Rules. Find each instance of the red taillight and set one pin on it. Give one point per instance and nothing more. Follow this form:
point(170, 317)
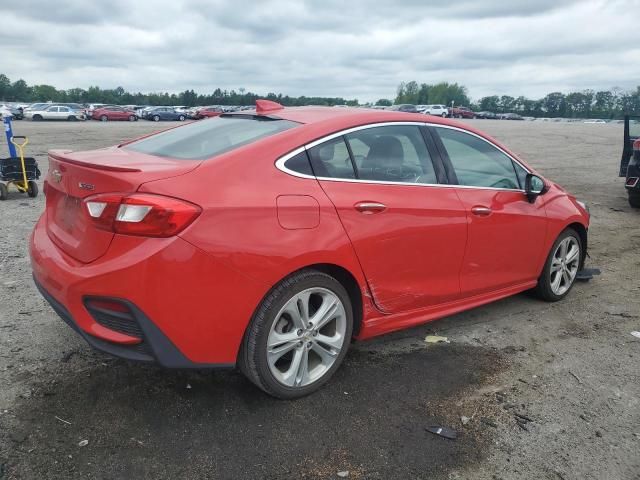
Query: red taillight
point(140, 214)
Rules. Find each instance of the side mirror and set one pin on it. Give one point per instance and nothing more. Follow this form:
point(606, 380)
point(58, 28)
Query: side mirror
point(533, 186)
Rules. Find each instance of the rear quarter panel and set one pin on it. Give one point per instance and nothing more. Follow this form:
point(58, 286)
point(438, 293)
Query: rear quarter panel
point(240, 226)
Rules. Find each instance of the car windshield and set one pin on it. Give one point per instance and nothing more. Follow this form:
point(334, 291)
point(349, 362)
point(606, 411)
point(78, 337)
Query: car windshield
point(205, 139)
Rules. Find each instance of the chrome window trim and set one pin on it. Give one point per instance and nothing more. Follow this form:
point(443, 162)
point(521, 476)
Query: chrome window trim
point(280, 163)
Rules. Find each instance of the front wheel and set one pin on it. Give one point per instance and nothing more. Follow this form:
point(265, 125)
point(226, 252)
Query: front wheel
point(156, 118)
point(132, 118)
point(4, 192)
point(104, 118)
point(299, 335)
point(634, 200)
point(181, 118)
point(560, 269)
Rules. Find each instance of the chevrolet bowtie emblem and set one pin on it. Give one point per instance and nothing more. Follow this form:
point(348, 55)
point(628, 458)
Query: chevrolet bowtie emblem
point(56, 175)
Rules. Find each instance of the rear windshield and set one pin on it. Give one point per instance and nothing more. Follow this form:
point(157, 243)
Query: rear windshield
point(207, 138)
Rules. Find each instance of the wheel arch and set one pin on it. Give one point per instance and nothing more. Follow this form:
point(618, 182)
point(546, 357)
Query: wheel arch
point(582, 232)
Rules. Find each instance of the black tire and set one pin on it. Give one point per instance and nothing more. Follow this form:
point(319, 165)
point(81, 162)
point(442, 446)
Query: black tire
point(634, 200)
point(36, 118)
point(444, 115)
point(156, 118)
point(253, 355)
point(4, 192)
point(543, 290)
point(181, 118)
point(132, 118)
point(71, 118)
point(32, 189)
point(104, 118)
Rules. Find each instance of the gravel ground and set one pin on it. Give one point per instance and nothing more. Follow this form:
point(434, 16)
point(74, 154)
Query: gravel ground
point(571, 368)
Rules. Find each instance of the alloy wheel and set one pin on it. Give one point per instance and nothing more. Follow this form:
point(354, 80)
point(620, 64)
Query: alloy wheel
point(564, 265)
point(306, 337)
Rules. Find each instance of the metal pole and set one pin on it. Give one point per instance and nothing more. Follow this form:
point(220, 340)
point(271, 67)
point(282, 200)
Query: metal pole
point(6, 120)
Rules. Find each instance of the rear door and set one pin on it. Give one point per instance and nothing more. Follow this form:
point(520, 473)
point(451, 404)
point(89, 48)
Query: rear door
point(51, 113)
point(631, 134)
point(506, 232)
point(408, 232)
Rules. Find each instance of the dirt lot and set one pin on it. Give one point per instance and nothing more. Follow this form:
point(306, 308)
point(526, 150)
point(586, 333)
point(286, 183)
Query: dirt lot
point(570, 367)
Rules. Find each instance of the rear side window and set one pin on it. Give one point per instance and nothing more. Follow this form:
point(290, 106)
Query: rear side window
point(208, 138)
point(331, 159)
point(395, 153)
point(299, 163)
point(476, 162)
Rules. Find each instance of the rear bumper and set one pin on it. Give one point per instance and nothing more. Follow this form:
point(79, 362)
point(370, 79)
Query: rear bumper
point(155, 346)
point(192, 310)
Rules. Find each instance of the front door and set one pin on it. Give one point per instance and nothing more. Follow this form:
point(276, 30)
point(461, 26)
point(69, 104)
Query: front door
point(409, 233)
point(506, 232)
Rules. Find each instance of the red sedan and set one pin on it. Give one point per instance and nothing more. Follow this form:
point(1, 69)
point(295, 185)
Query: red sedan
point(208, 112)
point(114, 112)
point(268, 240)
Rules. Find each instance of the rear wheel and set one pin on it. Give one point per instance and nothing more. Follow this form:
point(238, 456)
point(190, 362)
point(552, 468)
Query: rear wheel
point(4, 192)
point(104, 118)
point(156, 118)
point(299, 335)
point(634, 200)
point(562, 265)
point(32, 189)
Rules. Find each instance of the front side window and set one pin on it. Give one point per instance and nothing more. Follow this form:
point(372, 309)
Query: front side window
point(202, 140)
point(331, 159)
point(476, 162)
point(392, 154)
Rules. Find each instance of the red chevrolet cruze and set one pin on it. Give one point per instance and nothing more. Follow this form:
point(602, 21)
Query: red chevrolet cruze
point(269, 239)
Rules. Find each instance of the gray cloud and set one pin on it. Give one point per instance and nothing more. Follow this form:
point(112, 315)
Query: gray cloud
point(353, 49)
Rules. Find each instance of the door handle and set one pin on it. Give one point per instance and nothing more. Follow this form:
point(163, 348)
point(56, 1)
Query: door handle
point(370, 207)
point(481, 211)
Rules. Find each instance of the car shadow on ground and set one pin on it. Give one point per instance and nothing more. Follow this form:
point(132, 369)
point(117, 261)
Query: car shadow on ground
point(145, 422)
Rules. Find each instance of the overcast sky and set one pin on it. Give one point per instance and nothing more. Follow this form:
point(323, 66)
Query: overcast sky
point(349, 48)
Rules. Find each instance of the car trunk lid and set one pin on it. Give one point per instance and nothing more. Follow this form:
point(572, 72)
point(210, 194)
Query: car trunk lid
point(72, 177)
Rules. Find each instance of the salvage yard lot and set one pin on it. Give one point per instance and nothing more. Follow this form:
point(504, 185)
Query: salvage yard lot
point(570, 367)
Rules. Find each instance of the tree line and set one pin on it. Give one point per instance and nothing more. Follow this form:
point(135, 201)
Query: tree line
point(585, 104)
point(20, 91)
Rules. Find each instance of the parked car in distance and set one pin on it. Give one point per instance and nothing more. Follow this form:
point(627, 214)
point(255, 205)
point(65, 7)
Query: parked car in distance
point(438, 110)
point(404, 107)
point(168, 254)
point(461, 112)
point(164, 113)
point(55, 112)
point(510, 116)
point(207, 112)
point(595, 120)
point(114, 112)
point(93, 106)
point(486, 115)
point(16, 112)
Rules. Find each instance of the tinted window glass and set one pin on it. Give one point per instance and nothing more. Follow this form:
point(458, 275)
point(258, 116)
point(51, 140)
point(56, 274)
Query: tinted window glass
point(476, 162)
point(392, 154)
point(201, 140)
point(299, 163)
point(331, 159)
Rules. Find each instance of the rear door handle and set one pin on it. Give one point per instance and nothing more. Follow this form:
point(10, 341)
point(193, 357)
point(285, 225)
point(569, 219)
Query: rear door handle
point(370, 207)
point(481, 211)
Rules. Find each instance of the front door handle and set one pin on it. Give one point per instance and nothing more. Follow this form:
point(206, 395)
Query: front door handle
point(481, 211)
point(370, 207)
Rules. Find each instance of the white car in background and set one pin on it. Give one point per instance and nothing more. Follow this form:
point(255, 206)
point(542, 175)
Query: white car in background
point(437, 110)
point(54, 112)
